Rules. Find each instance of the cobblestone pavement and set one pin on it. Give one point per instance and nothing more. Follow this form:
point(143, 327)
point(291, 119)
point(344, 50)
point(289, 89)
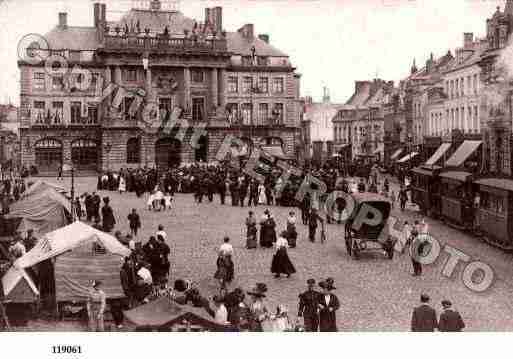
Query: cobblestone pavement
point(376, 294)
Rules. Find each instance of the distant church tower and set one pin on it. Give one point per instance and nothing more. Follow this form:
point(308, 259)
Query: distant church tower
point(326, 95)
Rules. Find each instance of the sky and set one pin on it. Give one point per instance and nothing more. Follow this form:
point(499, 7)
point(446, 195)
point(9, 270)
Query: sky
point(332, 43)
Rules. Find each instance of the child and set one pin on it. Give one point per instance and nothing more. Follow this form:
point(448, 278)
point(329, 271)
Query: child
point(151, 198)
point(167, 201)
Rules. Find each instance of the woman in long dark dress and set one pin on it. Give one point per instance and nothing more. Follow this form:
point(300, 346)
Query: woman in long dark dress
point(267, 230)
point(225, 268)
point(281, 263)
point(251, 233)
point(107, 216)
point(291, 230)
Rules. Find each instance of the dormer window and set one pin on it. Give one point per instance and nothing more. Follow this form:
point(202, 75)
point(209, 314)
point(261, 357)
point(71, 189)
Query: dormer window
point(263, 61)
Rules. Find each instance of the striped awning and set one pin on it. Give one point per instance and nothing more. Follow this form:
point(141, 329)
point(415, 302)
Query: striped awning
point(462, 153)
point(396, 154)
point(408, 157)
point(444, 147)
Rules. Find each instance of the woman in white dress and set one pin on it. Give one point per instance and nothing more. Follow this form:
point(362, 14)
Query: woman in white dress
point(167, 200)
point(261, 194)
point(122, 185)
point(149, 203)
point(159, 196)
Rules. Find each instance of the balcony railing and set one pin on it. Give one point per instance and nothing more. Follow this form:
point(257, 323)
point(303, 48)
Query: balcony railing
point(141, 43)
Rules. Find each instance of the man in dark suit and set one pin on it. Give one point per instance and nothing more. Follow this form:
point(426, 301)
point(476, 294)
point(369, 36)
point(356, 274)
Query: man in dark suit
point(450, 319)
point(424, 316)
point(328, 305)
point(309, 307)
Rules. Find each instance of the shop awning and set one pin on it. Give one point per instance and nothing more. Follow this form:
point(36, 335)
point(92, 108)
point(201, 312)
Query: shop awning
point(408, 157)
point(499, 183)
point(396, 154)
point(462, 153)
point(423, 171)
point(444, 147)
point(275, 151)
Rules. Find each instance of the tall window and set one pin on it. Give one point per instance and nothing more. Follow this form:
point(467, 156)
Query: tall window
point(94, 81)
point(469, 119)
point(164, 107)
point(39, 111)
point(133, 151)
point(263, 85)
point(452, 119)
point(197, 76)
point(462, 118)
point(476, 120)
point(247, 84)
point(39, 80)
point(57, 83)
point(75, 109)
point(233, 84)
point(263, 113)
point(475, 84)
point(58, 111)
point(452, 89)
point(198, 109)
point(233, 112)
point(262, 61)
point(246, 110)
point(462, 86)
point(457, 85)
point(92, 114)
point(247, 61)
point(278, 85)
point(127, 103)
point(278, 113)
point(130, 75)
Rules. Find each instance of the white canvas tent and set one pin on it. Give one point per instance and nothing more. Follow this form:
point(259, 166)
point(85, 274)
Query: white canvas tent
point(41, 186)
point(66, 245)
point(66, 239)
point(19, 287)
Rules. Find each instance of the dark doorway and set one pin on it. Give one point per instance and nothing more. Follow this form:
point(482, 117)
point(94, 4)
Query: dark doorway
point(48, 155)
point(201, 152)
point(84, 154)
point(167, 153)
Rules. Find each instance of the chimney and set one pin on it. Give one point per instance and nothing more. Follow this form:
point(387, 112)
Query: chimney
point(247, 31)
point(97, 14)
point(208, 16)
point(103, 13)
point(264, 38)
point(468, 40)
point(63, 20)
point(359, 86)
point(217, 14)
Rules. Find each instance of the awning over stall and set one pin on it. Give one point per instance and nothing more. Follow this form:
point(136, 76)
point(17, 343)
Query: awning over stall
point(444, 147)
point(499, 183)
point(275, 151)
point(408, 157)
point(462, 153)
point(396, 154)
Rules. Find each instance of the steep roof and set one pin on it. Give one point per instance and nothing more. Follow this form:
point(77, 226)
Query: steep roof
point(361, 96)
point(470, 60)
point(156, 21)
point(72, 38)
point(242, 46)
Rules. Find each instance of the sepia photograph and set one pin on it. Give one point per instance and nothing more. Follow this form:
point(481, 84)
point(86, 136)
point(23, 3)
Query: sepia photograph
point(255, 166)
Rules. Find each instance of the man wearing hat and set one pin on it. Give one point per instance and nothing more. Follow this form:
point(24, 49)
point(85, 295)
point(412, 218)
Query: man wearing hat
point(450, 319)
point(424, 316)
point(309, 307)
point(328, 305)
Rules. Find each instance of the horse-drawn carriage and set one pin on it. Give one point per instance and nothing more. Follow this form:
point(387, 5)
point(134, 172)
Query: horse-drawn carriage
point(366, 229)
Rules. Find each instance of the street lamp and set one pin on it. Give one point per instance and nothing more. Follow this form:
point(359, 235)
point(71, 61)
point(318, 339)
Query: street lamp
point(71, 168)
point(253, 58)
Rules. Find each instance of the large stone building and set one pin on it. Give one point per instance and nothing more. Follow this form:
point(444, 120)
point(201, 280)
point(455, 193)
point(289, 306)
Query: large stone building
point(234, 83)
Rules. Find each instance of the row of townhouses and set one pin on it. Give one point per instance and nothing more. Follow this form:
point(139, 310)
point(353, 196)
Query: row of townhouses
point(464, 94)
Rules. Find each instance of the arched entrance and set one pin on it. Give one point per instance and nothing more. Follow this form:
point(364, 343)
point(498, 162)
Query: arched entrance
point(168, 153)
point(84, 154)
point(201, 152)
point(48, 154)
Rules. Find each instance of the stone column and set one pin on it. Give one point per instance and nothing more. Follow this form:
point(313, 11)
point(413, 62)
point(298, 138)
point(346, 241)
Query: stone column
point(222, 88)
point(214, 84)
point(187, 88)
point(117, 75)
